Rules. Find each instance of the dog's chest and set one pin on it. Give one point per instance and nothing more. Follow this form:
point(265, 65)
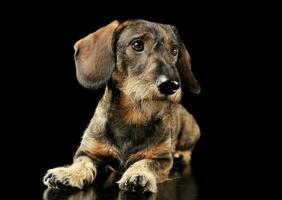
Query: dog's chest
point(130, 138)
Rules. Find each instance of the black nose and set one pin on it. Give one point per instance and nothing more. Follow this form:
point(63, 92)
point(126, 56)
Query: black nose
point(167, 87)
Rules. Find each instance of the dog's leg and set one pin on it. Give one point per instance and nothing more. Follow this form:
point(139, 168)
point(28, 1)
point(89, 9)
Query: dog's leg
point(144, 175)
point(82, 172)
point(189, 135)
point(84, 168)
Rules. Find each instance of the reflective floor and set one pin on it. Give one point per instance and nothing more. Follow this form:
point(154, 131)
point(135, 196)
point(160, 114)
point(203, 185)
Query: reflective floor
point(181, 185)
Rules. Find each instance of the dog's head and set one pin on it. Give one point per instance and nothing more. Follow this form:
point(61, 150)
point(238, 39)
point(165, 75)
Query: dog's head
point(146, 60)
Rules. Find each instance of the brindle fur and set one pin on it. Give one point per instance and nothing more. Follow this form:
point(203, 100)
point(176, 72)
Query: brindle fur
point(135, 129)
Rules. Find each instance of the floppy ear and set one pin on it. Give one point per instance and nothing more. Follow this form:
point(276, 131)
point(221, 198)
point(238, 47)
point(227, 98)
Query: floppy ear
point(94, 57)
point(187, 76)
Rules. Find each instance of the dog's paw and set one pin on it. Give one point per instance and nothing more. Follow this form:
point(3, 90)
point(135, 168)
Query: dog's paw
point(71, 177)
point(182, 158)
point(138, 182)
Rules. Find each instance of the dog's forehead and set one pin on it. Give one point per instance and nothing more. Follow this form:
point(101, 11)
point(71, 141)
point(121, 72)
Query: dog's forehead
point(157, 30)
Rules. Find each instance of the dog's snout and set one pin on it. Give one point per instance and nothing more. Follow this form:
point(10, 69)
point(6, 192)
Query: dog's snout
point(167, 86)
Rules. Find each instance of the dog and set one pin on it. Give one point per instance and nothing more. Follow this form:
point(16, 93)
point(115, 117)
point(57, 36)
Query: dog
point(139, 125)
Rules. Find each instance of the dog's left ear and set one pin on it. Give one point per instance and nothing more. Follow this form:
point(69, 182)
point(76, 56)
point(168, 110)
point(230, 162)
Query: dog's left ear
point(187, 76)
point(94, 57)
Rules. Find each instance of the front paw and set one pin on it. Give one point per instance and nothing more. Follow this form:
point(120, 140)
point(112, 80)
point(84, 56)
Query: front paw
point(182, 158)
point(68, 178)
point(140, 182)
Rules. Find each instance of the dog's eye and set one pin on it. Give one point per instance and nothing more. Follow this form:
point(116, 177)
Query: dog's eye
point(138, 45)
point(174, 50)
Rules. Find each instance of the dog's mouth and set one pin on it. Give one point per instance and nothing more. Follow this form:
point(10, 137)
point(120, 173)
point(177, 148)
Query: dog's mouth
point(170, 95)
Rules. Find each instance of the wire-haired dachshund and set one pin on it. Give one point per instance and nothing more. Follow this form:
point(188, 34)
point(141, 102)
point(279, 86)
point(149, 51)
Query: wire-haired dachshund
point(138, 127)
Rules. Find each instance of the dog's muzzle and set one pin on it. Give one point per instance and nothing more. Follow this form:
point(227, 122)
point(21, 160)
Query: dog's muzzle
point(167, 86)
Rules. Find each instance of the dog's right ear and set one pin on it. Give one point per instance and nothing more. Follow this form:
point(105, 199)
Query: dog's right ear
point(94, 57)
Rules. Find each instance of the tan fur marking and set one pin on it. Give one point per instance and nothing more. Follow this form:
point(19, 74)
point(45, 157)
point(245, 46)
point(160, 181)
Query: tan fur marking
point(99, 150)
point(131, 114)
point(154, 151)
point(190, 132)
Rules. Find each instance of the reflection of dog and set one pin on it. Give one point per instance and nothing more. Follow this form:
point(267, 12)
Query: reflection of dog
point(138, 125)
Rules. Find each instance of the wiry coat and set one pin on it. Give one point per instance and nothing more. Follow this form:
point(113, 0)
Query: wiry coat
point(135, 130)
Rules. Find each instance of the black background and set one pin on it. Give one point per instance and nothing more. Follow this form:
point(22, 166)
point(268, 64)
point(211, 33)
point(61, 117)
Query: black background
point(47, 110)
